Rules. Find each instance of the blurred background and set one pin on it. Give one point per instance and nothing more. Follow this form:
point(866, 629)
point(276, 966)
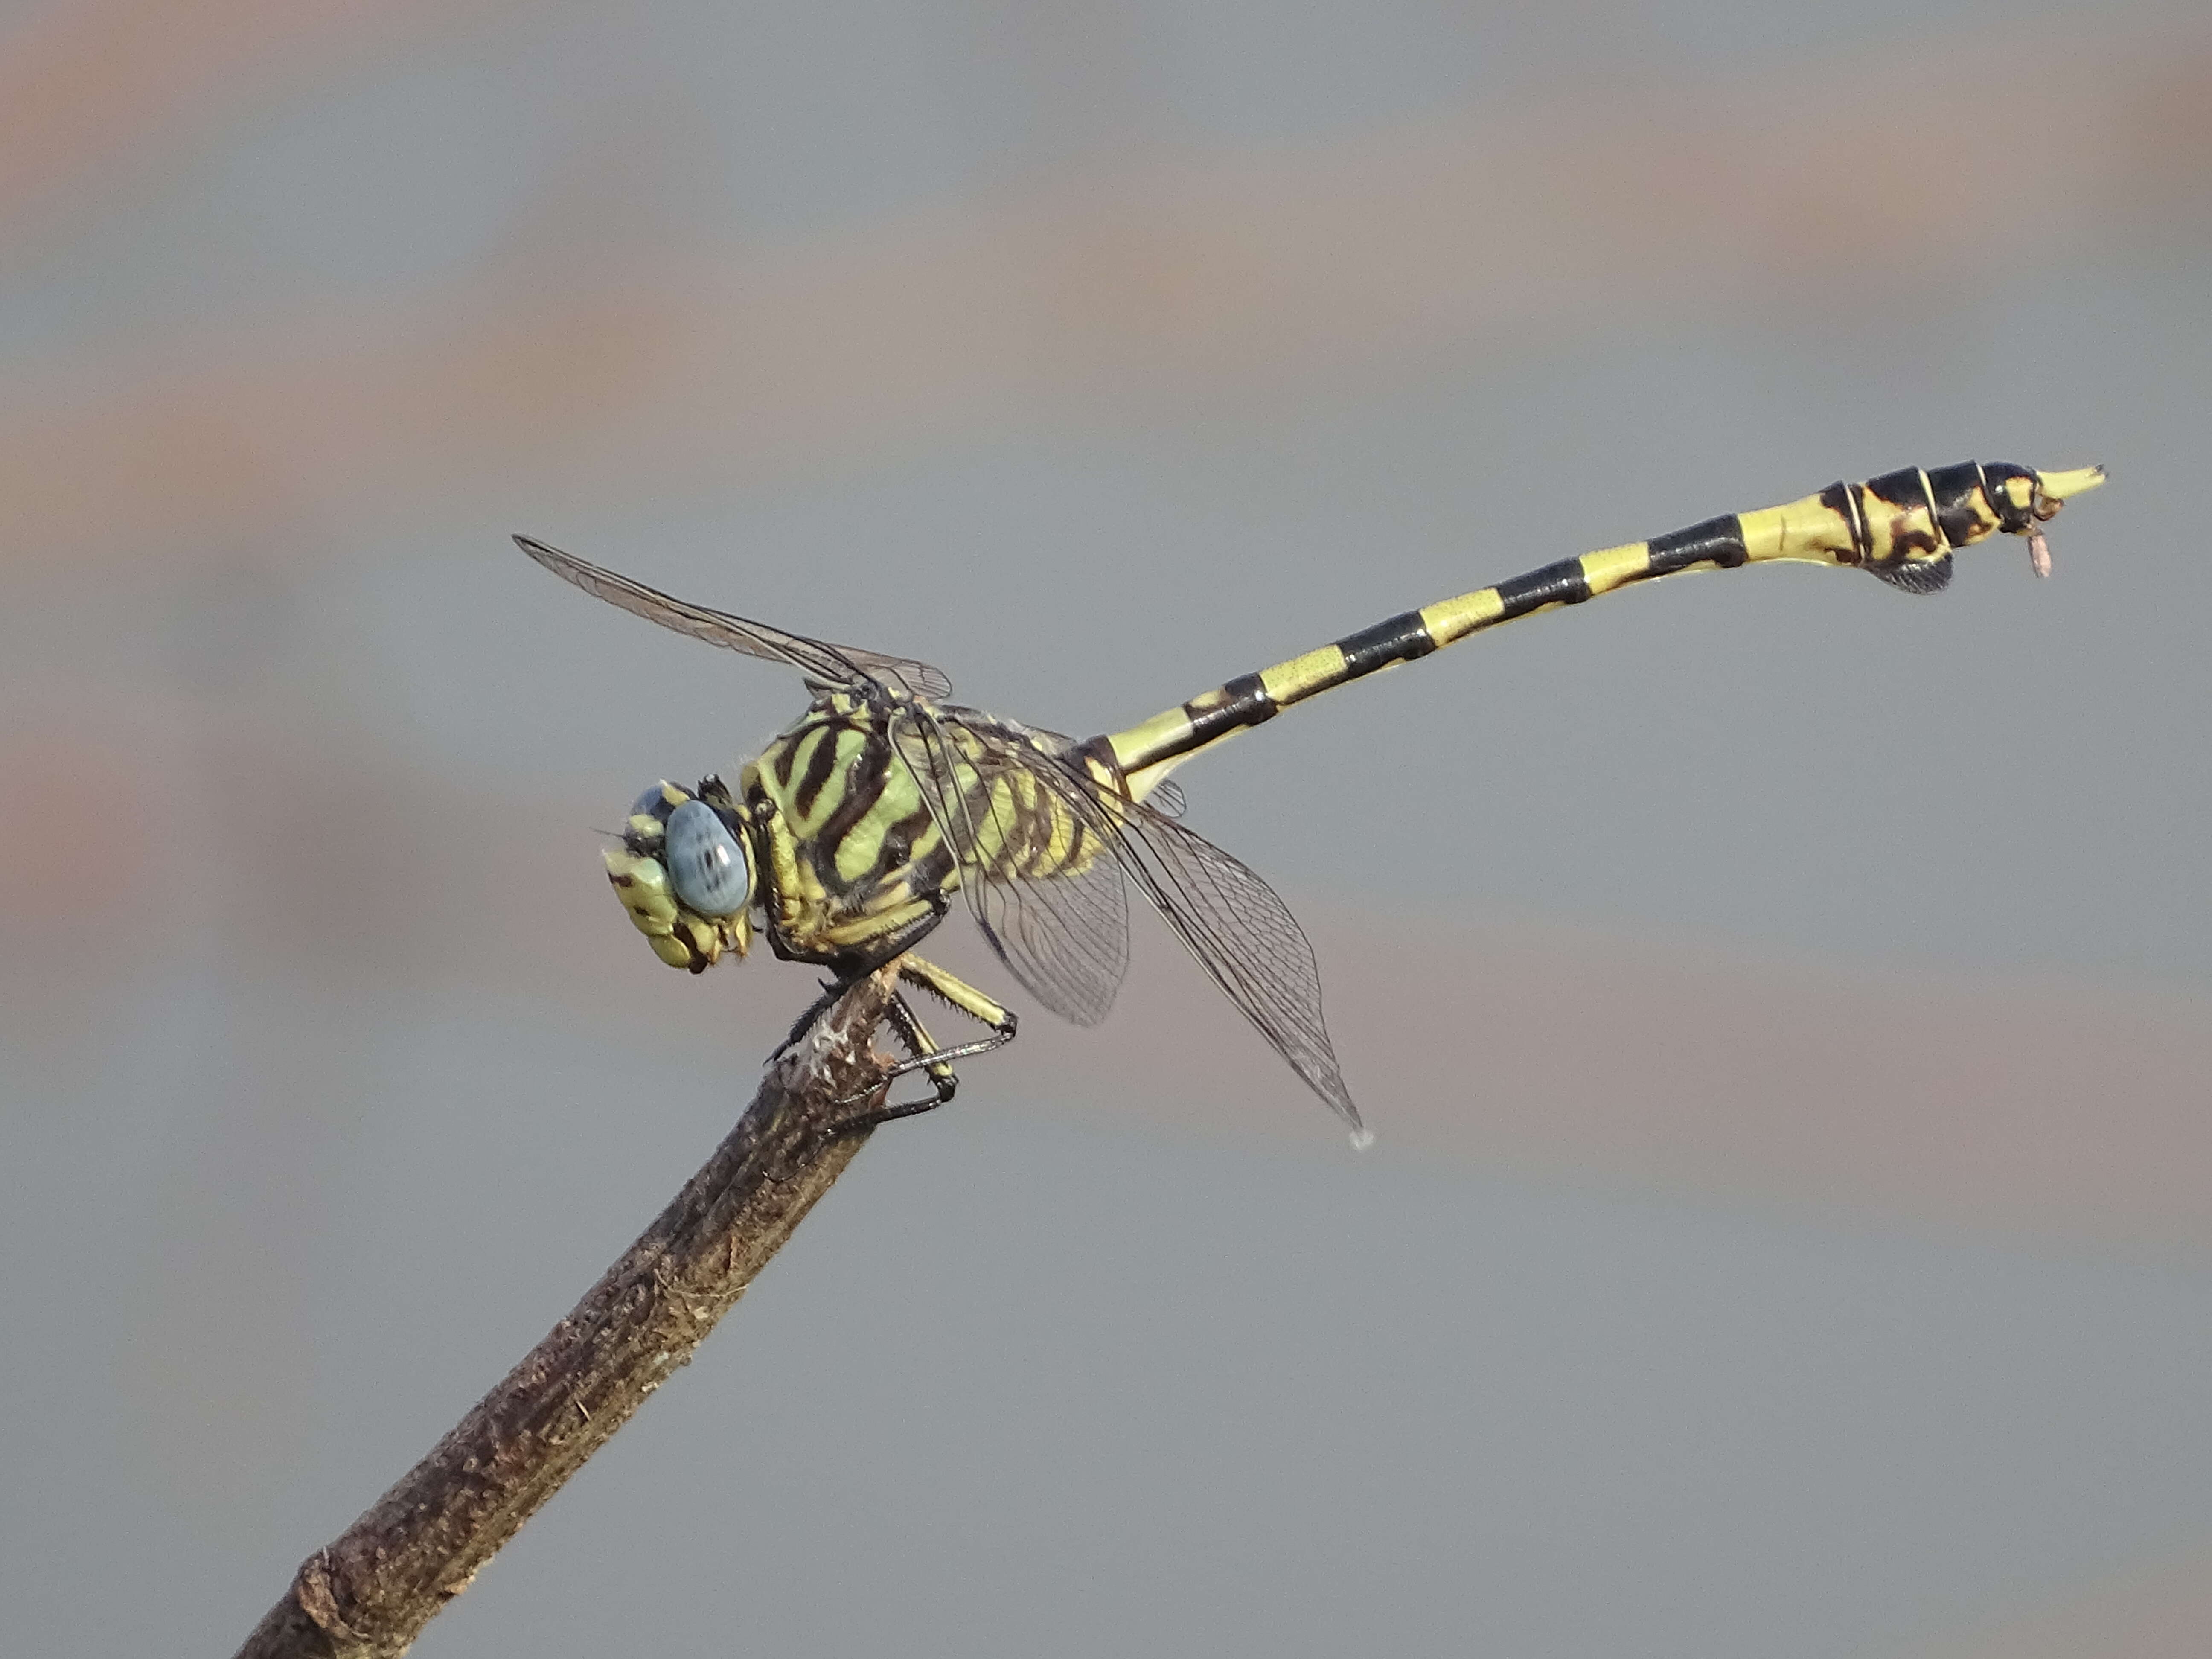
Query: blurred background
point(1785, 1006)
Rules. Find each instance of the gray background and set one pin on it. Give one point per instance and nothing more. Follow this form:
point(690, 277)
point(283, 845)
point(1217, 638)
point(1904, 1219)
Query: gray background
point(1786, 1006)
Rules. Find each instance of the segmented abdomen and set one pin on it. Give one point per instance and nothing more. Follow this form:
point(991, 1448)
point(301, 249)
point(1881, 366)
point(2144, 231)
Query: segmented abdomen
point(1901, 526)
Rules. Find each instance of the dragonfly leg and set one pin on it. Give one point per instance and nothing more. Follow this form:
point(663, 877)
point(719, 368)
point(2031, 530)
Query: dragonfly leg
point(831, 990)
point(924, 1055)
point(958, 993)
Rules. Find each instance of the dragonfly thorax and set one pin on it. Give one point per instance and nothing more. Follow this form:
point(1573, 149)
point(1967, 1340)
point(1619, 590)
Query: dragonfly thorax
point(851, 850)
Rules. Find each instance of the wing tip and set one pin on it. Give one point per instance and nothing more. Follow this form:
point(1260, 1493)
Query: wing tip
point(551, 558)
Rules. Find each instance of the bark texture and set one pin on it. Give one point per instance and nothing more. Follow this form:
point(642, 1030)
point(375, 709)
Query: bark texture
point(368, 1594)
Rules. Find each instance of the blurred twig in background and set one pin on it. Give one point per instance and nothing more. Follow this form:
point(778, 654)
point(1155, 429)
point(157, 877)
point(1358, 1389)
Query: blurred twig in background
point(1557, 215)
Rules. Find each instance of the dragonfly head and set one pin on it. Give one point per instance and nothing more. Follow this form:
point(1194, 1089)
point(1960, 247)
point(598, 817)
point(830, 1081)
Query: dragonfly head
point(684, 872)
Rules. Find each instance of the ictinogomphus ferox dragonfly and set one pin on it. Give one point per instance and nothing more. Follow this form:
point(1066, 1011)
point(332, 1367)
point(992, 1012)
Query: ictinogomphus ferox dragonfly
point(847, 836)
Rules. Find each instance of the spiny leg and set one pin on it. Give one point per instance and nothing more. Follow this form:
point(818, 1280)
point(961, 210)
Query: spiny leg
point(876, 953)
point(922, 1047)
point(955, 993)
point(918, 1043)
point(925, 1055)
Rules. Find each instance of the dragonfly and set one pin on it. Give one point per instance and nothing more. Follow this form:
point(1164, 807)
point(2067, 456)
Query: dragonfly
point(847, 837)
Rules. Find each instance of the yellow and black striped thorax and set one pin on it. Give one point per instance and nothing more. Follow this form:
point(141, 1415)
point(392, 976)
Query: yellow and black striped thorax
point(1901, 526)
point(886, 798)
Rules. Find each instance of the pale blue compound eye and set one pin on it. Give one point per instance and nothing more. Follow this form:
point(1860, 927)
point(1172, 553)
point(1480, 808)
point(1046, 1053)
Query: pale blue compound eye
point(705, 862)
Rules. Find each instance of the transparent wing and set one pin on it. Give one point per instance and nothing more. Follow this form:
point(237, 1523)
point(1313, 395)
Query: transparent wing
point(823, 663)
point(1057, 916)
point(1246, 940)
point(1166, 799)
point(1064, 939)
point(1243, 934)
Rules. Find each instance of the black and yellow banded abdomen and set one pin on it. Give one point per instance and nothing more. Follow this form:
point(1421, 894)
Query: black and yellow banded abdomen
point(1902, 526)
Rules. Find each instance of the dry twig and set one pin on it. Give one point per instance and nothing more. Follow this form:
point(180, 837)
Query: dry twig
point(368, 1593)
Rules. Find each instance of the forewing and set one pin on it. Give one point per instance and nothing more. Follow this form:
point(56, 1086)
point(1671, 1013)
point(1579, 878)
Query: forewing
point(1246, 940)
point(1066, 937)
point(820, 662)
point(1062, 932)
